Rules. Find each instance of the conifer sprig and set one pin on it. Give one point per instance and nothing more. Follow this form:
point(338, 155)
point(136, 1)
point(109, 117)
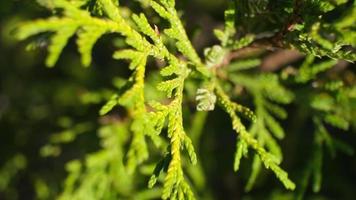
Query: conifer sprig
point(310, 34)
point(265, 89)
point(247, 139)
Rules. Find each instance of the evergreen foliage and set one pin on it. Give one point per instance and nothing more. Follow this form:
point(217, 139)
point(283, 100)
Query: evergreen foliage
point(153, 145)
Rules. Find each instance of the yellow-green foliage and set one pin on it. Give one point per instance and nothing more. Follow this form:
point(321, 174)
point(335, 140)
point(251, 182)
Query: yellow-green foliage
point(269, 160)
point(264, 89)
point(87, 180)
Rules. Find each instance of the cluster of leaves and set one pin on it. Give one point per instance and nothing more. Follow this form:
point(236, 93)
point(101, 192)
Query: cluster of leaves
point(264, 89)
point(89, 29)
point(324, 101)
point(90, 20)
point(330, 102)
point(321, 36)
point(317, 27)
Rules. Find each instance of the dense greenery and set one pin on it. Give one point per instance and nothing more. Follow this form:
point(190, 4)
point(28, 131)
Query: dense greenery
point(176, 96)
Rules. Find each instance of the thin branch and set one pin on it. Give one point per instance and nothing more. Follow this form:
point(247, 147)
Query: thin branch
point(273, 43)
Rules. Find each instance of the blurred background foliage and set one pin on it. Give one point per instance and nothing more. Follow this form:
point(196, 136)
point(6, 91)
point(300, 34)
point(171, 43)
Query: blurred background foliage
point(49, 117)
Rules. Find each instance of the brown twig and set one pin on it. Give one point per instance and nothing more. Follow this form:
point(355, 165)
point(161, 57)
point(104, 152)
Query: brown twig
point(275, 42)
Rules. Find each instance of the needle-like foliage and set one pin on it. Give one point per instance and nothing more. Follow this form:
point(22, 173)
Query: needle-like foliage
point(110, 172)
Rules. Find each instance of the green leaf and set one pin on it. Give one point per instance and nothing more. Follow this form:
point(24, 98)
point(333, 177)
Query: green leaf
point(86, 40)
point(109, 105)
